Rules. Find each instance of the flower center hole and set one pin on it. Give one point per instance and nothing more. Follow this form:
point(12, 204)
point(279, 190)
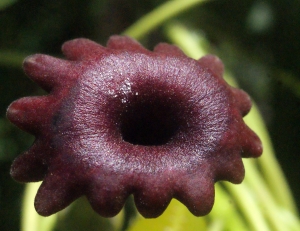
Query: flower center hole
point(150, 123)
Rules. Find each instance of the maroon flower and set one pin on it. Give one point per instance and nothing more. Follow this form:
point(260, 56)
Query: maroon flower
point(123, 120)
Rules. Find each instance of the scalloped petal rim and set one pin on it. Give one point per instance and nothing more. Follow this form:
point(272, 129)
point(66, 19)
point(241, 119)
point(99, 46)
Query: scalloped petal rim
point(121, 120)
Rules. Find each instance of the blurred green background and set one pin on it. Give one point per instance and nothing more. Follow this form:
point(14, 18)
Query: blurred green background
point(259, 41)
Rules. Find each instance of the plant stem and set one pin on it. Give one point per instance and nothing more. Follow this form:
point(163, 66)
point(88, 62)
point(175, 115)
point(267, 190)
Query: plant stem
point(248, 205)
point(265, 199)
point(192, 44)
point(216, 225)
point(159, 15)
point(11, 58)
point(30, 220)
point(271, 170)
point(225, 212)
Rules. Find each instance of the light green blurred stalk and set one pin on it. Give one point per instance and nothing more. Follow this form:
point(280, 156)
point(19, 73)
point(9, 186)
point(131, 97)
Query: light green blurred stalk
point(159, 15)
point(30, 220)
point(79, 212)
point(11, 58)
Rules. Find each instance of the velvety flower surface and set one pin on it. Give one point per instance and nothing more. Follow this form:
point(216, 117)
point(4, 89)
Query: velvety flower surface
point(121, 120)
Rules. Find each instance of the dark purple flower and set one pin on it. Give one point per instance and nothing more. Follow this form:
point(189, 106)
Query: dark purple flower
point(121, 120)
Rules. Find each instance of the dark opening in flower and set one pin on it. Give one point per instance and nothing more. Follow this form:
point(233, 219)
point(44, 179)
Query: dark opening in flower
point(153, 116)
point(123, 120)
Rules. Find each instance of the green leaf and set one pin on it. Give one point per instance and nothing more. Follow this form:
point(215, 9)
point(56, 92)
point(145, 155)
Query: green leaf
point(175, 218)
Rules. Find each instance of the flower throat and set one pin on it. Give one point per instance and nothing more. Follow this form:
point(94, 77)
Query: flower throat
point(151, 119)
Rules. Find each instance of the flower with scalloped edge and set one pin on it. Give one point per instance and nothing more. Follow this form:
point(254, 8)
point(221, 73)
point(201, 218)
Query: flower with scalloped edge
point(121, 120)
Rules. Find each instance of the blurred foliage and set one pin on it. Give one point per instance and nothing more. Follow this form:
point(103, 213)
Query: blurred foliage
point(258, 40)
point(6, 3)
point(176, 217)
